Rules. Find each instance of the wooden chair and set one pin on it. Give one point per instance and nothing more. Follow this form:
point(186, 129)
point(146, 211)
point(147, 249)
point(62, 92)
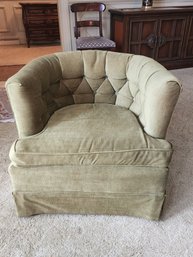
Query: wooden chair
point(90, 42)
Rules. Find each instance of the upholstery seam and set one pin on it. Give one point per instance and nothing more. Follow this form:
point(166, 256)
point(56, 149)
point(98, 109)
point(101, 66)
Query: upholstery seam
point(89, 153)
point(90, 192)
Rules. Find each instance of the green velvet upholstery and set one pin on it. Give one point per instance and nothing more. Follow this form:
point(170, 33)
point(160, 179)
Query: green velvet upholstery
point(92, 129)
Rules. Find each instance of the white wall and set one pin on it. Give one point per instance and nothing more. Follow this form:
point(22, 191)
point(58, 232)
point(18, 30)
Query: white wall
point(66, 18)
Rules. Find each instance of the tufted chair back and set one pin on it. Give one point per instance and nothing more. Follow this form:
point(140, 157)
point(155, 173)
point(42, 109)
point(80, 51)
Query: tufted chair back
point(130, 81)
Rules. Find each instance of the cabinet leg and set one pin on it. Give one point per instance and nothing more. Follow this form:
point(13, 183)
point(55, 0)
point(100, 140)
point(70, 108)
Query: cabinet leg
point(28, 43)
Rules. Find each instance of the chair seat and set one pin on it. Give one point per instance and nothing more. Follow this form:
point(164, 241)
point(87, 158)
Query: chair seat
point(92, 134)
point(94, 43)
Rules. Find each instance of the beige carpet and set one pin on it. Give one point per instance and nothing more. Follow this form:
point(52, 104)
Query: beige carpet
point(109, 236)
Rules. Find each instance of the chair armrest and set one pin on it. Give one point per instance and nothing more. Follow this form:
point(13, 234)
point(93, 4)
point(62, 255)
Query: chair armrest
point(29, 92)
point(157, 95)
point(162, 93)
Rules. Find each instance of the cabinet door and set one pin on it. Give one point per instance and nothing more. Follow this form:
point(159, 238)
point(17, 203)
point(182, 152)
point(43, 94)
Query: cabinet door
point(189, 42)
point(142, 36)
point(170, 38)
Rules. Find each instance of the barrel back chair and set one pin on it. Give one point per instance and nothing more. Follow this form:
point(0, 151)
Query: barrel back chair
point(91, 134)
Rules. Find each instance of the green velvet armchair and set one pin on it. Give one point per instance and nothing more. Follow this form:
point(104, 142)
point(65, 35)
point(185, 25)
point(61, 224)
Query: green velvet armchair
point(92, 127)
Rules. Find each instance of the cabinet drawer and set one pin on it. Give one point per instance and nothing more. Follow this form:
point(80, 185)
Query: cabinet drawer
point(43, 22)
point(45, 31)
point(37, 11)
point(44, 38)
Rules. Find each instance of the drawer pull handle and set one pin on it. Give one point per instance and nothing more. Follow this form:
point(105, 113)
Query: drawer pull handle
point(151, 40)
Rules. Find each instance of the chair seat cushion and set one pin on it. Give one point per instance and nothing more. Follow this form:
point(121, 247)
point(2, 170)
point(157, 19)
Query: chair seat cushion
point(94, 42)
point(92, 134)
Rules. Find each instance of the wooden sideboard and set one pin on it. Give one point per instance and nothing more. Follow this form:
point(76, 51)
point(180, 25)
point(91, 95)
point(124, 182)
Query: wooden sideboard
point(40, 22)
point(165, 34)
